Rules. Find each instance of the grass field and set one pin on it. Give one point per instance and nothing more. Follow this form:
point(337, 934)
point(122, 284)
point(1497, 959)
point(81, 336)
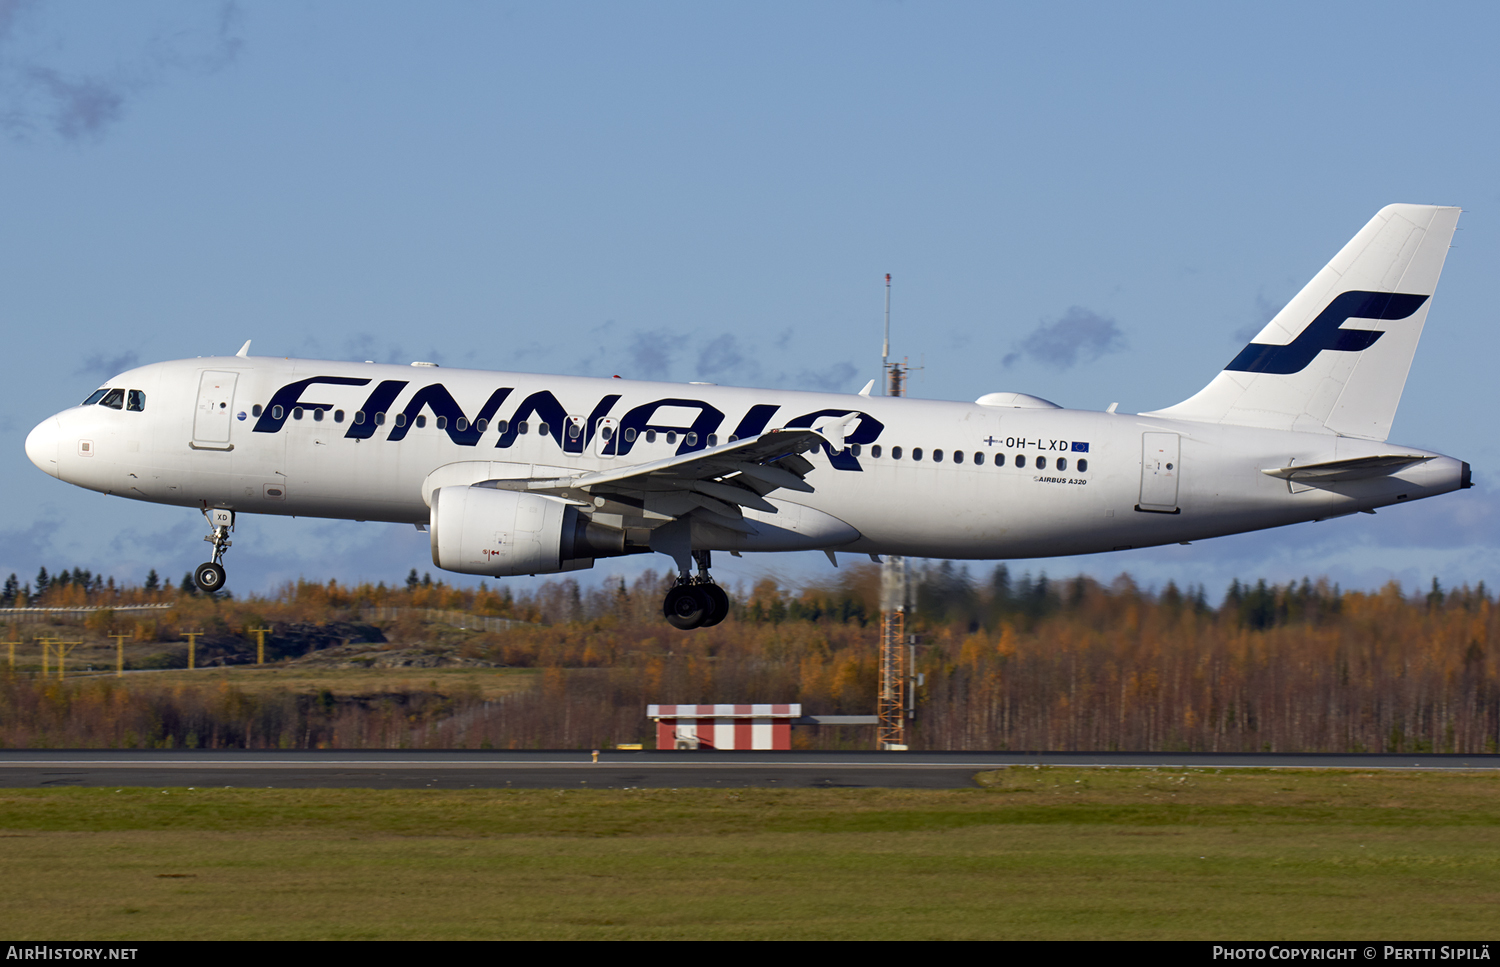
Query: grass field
point(1037, 853)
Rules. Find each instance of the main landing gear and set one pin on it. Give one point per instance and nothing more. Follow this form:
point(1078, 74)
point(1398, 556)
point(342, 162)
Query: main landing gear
point(209, 576)
point(696, 602)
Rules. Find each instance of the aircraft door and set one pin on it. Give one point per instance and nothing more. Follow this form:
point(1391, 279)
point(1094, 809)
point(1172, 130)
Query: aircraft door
point(215, 412)
point(605, 429)
point(1160, 468)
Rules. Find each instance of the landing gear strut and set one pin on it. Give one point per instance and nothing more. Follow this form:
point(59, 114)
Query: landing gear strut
point(210, 576)
point(696, 602)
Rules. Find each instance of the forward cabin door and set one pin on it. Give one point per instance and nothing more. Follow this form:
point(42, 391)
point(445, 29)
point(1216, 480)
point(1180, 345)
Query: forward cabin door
point(1160, 468)
point(215, 411)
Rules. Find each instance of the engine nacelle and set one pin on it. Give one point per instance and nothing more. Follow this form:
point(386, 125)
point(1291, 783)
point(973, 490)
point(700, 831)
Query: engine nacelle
point(481, 530)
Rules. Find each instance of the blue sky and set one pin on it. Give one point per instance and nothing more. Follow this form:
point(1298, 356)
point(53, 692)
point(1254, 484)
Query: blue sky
point(715, 191)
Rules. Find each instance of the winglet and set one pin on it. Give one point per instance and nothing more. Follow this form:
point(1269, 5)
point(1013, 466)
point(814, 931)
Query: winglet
point(245, 349)
point(868, 387)
point(833, 428)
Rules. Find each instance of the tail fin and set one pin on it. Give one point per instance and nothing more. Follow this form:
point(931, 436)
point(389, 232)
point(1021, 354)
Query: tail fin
point(1336, 358)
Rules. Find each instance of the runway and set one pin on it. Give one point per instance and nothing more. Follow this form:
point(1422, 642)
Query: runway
point(487, 769)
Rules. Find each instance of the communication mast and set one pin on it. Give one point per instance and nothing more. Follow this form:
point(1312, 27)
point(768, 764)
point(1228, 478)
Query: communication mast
point(895, 706)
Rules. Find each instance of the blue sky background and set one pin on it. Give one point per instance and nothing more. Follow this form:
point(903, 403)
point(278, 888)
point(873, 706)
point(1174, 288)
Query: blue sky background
point(1089, 202)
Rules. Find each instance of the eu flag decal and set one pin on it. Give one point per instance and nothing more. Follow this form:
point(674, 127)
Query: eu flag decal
point(1080, 447)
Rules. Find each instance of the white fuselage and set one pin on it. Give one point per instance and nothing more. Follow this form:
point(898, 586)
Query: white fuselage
point(1028, 481)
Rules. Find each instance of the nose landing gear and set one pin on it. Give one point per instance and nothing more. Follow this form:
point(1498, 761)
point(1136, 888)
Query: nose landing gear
point(209, 576)
point(696, 602)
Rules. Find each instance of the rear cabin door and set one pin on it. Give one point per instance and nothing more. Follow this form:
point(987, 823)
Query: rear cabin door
point(1160, 468)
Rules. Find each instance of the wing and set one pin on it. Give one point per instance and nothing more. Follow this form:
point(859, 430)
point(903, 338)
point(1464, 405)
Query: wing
point(713, 485)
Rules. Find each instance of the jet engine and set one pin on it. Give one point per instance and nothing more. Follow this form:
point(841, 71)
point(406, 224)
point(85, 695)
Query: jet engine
point(481, 530)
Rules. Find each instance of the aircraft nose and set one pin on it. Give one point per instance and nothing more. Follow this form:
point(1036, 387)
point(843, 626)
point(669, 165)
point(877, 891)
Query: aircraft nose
point(41, 444)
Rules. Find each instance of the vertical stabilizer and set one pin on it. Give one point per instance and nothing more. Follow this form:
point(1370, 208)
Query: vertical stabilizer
point(1335, 359)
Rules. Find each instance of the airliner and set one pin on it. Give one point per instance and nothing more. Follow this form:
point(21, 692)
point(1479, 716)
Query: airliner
point(524, 474)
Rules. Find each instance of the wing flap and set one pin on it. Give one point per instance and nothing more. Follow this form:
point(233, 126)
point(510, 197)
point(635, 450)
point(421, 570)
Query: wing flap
point(780, 447)
point(711, 485)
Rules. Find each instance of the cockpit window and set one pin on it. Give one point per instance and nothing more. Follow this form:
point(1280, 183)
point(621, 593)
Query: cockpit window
point(114, 399)
point(98, 395)
point(135, 400)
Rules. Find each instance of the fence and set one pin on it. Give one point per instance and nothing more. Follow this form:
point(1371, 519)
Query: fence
point(32, 616)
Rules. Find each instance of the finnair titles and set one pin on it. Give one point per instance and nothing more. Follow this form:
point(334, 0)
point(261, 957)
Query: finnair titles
point(523, 474)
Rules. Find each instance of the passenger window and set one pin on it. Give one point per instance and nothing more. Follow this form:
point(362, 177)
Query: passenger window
point(421, 420)
point(650, 436)
point(338, 416)
point(691, 439)
point(979, 458)
point(481, 425)
point(999, 459)
point(135, 400)
point(359, 416)
point(854, 449)
point(1020, 460)
point(671, 436)
point(713, 440)
point(523, 427)
point(895, 453)
point(543, 429)
point(573, 430)
point(916, 453)
point(296, 412)
point(1041, 463)
point(318, 415)
point(463, 424)
point(441, 423)
point(875, 451)
point(400, 419)
point(958, 456)
point(95, 397)
point(255, 410)
point(380, 418)
point(114, 399)
point(937, 456)
point(276, 412)
point(1062, 463)
point(1083, 465)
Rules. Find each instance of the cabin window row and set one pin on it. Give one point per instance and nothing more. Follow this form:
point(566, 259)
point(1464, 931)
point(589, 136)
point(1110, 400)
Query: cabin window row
point(461, 424)
point(978, 458)
point(630, 434)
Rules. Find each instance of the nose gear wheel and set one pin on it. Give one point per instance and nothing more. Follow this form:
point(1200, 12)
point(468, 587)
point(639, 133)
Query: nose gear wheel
point(209, 577)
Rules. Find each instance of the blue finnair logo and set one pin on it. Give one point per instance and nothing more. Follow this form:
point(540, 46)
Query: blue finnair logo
point(1327, 332)
point(571, 431)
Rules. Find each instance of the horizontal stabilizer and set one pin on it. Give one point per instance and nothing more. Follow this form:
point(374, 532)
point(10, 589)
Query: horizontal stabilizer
point(1356, 468)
